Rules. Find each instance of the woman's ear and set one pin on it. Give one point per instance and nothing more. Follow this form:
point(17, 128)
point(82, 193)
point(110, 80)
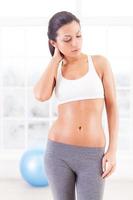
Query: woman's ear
point(53, 43)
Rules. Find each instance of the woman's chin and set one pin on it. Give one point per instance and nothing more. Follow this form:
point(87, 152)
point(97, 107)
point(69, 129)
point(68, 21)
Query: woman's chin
point(75, 53)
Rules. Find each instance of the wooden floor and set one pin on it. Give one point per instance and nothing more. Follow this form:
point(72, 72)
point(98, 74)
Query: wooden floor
point(11, 189)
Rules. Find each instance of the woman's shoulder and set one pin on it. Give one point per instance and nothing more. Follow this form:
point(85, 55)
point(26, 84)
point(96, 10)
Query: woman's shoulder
point(101, 64)
point(100, 59)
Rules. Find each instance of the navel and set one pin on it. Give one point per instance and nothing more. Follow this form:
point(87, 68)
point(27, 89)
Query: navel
point(79, 127)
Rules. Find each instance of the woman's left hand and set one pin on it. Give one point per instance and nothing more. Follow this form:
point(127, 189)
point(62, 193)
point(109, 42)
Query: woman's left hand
point(108, 163)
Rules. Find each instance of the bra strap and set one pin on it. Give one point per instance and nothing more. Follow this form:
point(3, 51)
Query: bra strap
point(91, 65)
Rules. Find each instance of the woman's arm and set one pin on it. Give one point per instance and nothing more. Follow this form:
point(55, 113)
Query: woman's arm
point(112, 115)
point(110, 104)
point(45, 85)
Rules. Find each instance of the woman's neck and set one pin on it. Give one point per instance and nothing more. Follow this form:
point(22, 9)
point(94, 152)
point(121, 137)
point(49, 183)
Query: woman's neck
point(72, 60)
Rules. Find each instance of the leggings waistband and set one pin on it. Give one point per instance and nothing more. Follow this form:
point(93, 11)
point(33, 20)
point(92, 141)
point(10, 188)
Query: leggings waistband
point(63, 148)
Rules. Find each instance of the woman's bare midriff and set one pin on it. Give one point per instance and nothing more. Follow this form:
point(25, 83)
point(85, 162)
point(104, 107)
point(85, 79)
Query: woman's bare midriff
point(79, 123)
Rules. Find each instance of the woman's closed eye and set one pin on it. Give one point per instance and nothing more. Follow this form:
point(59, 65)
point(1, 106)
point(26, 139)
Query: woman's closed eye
point(78, 36)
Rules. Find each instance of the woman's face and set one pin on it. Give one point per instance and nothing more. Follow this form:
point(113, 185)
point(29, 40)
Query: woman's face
point(69, 39)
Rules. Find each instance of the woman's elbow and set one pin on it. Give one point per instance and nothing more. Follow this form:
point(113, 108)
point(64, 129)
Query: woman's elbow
point(39, 95)
point(111, 104)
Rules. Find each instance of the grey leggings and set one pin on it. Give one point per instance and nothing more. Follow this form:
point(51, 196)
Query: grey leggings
point(74, 172)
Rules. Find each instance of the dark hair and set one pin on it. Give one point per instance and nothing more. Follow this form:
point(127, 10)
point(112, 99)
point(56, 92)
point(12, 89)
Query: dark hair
point(56, 21)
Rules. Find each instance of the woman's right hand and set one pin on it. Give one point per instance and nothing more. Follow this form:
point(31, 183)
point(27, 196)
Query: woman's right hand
point(57, 55)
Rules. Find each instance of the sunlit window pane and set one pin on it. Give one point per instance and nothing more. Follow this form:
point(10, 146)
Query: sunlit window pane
point(119, 41)
point(106, 8)
point(94, 39)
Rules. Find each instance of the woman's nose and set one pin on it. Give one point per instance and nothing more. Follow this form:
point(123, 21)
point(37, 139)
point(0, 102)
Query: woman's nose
point(74, 43)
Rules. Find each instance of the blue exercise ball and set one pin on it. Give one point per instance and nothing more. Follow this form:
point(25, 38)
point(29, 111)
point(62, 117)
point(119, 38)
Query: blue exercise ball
point(32, 167)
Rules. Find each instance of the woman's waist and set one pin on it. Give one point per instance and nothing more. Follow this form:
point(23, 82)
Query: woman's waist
point(80, 127)
point(73, 136)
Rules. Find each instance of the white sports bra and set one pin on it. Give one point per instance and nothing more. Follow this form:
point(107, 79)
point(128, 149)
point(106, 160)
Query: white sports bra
point(88, 86)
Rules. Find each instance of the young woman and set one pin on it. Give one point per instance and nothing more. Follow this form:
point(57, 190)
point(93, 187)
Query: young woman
point(75, 156)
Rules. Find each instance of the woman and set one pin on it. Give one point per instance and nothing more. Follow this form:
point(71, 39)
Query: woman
point(76, 142)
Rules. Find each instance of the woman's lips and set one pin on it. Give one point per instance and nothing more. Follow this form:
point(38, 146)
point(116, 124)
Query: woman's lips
point(75, 50)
